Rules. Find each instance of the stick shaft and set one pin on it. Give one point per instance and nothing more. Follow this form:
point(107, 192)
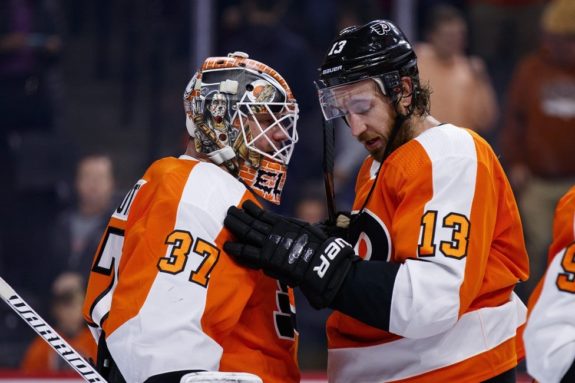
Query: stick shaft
point(38, 324)
point(328, 160)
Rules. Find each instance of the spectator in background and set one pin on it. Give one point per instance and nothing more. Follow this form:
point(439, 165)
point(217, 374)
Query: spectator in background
point(77, 231)
point(67, 298)
point(539, 132)
point(503, 31)
point(461, 89)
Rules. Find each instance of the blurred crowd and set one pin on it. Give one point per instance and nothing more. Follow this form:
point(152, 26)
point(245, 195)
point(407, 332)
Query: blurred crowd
point(90, 94)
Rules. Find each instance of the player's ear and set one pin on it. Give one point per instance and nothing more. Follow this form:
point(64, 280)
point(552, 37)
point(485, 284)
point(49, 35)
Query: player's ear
point(406, 91)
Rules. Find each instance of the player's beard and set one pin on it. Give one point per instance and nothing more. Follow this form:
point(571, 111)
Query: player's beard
point(404, 134)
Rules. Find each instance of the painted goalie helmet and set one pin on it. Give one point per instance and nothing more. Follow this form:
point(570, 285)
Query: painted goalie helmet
point(242, 114)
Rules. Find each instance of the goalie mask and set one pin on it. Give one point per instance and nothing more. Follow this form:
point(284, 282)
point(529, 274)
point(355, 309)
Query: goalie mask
point(242, 114)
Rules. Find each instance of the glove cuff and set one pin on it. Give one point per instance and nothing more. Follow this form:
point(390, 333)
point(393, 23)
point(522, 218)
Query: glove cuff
point(325, 276)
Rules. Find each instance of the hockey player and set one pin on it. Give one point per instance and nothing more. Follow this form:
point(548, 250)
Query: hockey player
point(422, 285)
point(550, 333)
point(164, 299)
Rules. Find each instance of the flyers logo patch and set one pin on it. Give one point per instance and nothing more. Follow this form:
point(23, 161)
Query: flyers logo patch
point(381, 28)
point(370, 237)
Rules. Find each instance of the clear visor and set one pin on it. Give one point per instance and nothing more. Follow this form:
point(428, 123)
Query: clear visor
point(269, 128)
point(355, 97)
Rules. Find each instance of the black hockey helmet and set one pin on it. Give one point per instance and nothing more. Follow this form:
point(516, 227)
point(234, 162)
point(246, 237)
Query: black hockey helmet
point(378, 49)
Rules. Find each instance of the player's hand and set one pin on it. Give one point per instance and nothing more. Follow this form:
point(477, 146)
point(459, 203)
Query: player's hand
point(290, 250)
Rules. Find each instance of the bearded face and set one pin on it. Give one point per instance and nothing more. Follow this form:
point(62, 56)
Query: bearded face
point(218, 107)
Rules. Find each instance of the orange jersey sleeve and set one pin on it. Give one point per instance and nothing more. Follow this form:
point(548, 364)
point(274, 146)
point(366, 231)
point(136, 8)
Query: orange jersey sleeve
point(441, 208)
point(169, 298)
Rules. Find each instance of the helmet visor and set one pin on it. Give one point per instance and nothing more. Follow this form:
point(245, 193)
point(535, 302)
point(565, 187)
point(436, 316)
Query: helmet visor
point(354, 97)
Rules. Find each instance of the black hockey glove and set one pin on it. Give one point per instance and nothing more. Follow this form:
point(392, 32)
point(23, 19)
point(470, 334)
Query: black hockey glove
point(290, 250)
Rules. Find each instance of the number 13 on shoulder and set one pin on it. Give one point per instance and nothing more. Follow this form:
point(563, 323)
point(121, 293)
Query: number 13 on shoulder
point(456, 247)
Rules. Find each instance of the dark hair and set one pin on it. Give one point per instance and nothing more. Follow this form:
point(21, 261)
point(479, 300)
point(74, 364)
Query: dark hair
point(421, 100)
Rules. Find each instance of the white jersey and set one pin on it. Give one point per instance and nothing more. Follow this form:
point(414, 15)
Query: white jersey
point(550, 333)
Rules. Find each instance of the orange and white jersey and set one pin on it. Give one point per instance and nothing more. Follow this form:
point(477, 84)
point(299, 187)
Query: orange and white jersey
point(443, 210)
point(167, 296)
point(549, 336)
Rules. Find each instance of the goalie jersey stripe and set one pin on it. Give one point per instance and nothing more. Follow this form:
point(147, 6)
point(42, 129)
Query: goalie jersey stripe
point(180, 303)
point(455, 231)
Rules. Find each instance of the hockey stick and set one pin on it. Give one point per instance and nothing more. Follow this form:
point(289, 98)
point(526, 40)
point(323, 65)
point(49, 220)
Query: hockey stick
point(328, 158)
point(48, 333)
